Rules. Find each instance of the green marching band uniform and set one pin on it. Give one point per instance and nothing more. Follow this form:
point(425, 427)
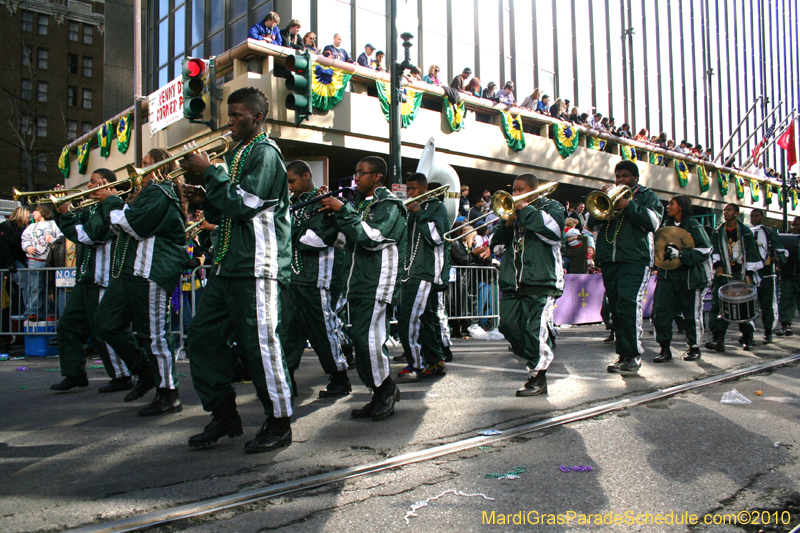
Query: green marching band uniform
point(307, 305)
point(375, 233)
point(95, 244)
point(790, 294)
point(625, 253)
point(769, 246)
point(737, 253)
point(148, 259)
point(426, 267)
point(241, 299)
point(531, 279)
point(682, 290)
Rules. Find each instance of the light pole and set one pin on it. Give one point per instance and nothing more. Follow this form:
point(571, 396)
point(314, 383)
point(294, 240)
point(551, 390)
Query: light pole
point(397, 97)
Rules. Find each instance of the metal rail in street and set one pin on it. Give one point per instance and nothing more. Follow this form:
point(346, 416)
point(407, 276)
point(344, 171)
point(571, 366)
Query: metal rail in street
point(182, 512)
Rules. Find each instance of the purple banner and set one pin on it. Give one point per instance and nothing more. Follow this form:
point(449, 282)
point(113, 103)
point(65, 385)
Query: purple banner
point(583, 298)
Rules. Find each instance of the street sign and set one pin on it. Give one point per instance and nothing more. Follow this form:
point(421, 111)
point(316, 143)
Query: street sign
point(166, 105)
point(65, 278)
point(399, 190)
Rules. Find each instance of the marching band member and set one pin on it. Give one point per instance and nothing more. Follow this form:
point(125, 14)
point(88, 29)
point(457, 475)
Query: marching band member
point(426, 267)
point(307, 308)
point(89, 228)
point(531, 279)
point(148, 258)
point(251, 266)
point(771, 251)
point(682, 290)
point(375, 229)
point(625, 254)
point(736, 258)
point(790, 289)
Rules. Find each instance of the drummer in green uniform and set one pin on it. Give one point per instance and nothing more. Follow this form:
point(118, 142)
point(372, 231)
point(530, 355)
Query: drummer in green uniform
point(735, 258)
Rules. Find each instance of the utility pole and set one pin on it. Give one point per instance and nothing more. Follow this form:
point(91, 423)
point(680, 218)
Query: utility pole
point(397, 97)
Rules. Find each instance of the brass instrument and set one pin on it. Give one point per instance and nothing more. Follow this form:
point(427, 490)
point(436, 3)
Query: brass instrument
point(503, 205)
point(601, 204)
point(83, 196)
point(301, 205)
point(193, 229)
point(440, 191)
point(36, 197)
point(675, 236)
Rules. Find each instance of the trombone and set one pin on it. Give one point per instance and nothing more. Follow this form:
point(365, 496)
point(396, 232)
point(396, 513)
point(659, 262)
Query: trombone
point(36, 197)
point(503, 205)
point(424, 197)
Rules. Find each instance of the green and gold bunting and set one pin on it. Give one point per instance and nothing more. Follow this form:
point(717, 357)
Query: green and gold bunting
point(410, 107)
point(705, 183)
point(63, 162)
point(627, 153)
point(767, 194)
point(593, 143)
point(739, 187)
point(754, 190)
point(794, 198)
point(512, 130)
point(327, 86)
point(455, 114)
point(683, 172)
point(83, 156)
point(104, 138)
point(723, 180)
point(656, 159)
point(780, 197)
point(566, 137)
point(124, 134)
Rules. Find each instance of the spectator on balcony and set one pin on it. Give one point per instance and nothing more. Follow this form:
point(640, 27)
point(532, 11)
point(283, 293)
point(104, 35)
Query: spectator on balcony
point(697, 151)
point(557, 109)
point(642, 136)
point(584, 119)
point(506, 94)
point(474, 87)
point(414, 74)
point(671, 145)
point(605, 124)
point(432, 77)
point(709, 155)
point(290, 37)
point(459, 83)
point(267, 30)
point(661, 140)
point(530, 101)
point(335, 50)
point(574, 116)
point(463, 202)
point(490, 93)
point(378, 64)
point(625, 131)
point(681, 149)
point(543, 106)
point(365, 59)
point(310, 41)
point(612, 127)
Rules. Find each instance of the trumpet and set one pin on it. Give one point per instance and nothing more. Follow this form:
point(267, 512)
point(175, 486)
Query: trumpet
point(424, 197)
point(36, 197)
point(84, 195)
point(601, 204)
point(193, 229)
point(503, 205)
point(315, 212)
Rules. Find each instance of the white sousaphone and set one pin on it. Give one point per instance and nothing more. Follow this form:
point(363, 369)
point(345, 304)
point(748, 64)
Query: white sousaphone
point(443, 174)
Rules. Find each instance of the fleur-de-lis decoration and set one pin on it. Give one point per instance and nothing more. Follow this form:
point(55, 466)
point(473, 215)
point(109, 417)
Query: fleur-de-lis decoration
point(583, 294)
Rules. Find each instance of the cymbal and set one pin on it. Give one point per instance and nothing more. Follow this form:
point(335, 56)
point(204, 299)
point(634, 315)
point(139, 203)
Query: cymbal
point(678, 237)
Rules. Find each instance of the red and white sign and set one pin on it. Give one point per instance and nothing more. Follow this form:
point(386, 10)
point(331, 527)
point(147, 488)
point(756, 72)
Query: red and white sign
point(166, 105)
point(399, 190)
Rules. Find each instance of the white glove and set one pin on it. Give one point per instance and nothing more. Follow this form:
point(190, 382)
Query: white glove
point(671, 252)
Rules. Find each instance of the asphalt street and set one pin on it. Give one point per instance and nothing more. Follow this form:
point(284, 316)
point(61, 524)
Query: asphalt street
point(78, 458)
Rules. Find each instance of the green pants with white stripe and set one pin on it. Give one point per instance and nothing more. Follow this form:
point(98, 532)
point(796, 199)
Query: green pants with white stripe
point(672, 298)
point(143, 303)
point(625, 284)
point(248, 309)
point(418, 323)
point(370, 326)
point(75, 327)
point(790, 296)
point(768, 300)
point(526, 321)
point(307, 314)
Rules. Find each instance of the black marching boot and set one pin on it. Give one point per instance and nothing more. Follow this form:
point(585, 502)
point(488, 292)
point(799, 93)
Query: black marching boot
point(665, 355)
point(536, 385)
point(767, 336)
point(338, 385)
point(275, 433)
point(785, 331)
point(366, 411)
point(610, 337)
point(717, 344)
point(145, 380)
point(388, 394)
point(226, 421)
point(117, 385)
point(692, 355)
point(166, 401)
point(71, 382)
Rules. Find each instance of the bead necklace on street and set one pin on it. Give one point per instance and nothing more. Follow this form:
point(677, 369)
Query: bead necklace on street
point(236, 175)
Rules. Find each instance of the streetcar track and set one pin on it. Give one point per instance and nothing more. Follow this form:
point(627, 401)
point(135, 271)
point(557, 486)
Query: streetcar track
point(220, 503)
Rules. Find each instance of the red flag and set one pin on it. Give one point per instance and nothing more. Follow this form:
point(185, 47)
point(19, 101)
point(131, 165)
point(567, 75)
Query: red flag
point(787, 143)
point(756, 153)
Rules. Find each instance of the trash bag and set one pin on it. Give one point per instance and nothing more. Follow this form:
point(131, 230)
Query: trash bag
point(734, 396)
point(477, 332)
point(495, 335)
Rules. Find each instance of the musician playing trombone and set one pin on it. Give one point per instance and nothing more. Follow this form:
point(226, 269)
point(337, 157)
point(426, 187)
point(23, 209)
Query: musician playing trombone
point(531, 279)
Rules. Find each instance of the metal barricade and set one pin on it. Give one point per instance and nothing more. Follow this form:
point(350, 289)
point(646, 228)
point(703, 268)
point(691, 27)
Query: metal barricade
point(33, 299)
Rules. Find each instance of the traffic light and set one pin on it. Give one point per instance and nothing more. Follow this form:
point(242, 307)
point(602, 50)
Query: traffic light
point(195, 87)
point(298, 80)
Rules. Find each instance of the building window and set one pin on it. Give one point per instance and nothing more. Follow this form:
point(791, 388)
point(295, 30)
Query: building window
point(24, 124)
point(72, 32)
point(88, 32)
point(27, 21)
point(72, 63)
point(26, 56)
point(41, 26)
point(41, 91)
point(42, 58)
point(27, 90)
point(87, 98)
point(72, 130)
point(41, 127)
point(41, 163)
point(72, 96)
point(86, 127)
point(87, 66)
point(24, 160)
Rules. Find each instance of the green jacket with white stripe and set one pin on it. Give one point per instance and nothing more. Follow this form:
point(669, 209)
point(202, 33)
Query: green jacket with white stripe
point(95, 243)
point(696, 262)
point(746, 253)
point(313, 263)
point(634, 242)
point(532, 258)
point(258, 206)
point(151, 239)
point(769, 246)
point(427, 254)
point(376, 244)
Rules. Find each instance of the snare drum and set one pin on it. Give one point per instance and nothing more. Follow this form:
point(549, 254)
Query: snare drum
point(738, 302)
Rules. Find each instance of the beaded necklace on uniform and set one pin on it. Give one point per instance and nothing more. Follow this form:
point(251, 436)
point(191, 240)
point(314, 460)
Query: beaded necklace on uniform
point(86, 252)
point(409, 262)
point(621, 219)
point(236, 175)
point(298, 217)
point(732, 259)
